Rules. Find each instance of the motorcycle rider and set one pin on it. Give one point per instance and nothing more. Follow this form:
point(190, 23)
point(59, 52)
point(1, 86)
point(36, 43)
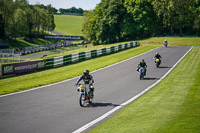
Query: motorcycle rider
point(142, 64)
point(165, 43)
point(157, 56)
point(87, 79)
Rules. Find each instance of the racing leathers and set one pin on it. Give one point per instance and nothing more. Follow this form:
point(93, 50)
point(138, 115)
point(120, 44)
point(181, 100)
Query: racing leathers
point(144, 65)
point(87, 79)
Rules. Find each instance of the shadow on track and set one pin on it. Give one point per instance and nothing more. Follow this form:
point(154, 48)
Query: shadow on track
point(102, 105)
point(164, 67)
point(147, 78)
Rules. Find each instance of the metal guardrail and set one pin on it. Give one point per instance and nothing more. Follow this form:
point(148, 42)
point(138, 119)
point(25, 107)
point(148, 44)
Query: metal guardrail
point(33, 66)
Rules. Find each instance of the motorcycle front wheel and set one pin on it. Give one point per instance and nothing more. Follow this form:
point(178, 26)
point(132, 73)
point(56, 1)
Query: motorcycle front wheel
point(157, 64)
point(82, 100)
point(141, 76)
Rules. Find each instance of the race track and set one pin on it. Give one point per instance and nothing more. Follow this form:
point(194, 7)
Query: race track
point(55, 108)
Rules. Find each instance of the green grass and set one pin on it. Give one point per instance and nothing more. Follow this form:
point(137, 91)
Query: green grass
point(21, 43)
point(27, 81)
point(173, 106)
point(172, 41)
point(69, 24)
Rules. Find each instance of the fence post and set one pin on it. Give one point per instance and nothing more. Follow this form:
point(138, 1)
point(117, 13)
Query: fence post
point(49, 63)
point(82, 56)
point(94, 53)
point(67, 59)
point(0, 70)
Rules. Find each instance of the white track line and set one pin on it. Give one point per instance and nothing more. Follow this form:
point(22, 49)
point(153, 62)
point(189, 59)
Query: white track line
point(129, 101)
point(72, 78)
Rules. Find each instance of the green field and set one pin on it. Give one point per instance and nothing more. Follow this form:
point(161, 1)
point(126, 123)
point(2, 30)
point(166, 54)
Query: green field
point(173, 106)
point(69, 25)
point(172, 41)
point(21, 43)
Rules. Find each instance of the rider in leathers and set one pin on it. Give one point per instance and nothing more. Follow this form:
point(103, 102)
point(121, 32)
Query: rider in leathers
point(87, 79)
point(157, 56)
point(142, 64)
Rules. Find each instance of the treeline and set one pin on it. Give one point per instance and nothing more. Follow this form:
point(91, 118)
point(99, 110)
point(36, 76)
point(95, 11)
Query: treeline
point(73, 10)
point(18, 18)
point(116, 20)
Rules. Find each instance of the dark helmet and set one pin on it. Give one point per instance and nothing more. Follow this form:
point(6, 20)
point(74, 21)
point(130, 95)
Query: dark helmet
point(157, 53)
point(142, 60)
point(86, 72)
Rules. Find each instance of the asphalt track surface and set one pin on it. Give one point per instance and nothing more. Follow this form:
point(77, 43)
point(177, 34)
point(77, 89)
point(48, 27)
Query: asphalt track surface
point(55, 108)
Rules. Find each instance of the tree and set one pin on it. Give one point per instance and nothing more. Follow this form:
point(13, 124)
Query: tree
point(6, 11)
point(103, 25)
point(18, 18)
point(19, 24)
point(142, 15)
point(196, 25)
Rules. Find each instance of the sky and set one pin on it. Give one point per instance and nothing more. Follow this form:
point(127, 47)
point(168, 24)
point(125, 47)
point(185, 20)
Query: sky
point(84, 4)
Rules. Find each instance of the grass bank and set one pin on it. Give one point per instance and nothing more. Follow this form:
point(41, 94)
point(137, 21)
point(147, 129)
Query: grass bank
point(172, 106)
point(69, 25)
point(172, 41)
point(21, 43)
point(27, 81)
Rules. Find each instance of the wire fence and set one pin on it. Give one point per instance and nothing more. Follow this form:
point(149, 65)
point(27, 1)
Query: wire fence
point(9, 55)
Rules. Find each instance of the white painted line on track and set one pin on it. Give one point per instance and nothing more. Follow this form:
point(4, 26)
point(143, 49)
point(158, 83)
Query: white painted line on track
point(74, 77)
point(83, 128)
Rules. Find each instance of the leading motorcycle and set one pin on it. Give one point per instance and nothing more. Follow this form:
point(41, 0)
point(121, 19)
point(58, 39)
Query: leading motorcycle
point(86, 96)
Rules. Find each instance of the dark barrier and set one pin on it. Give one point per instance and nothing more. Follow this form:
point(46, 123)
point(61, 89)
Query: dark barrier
point(82, 56)
point(23, 67)
point(67, 59)
point(49, 63)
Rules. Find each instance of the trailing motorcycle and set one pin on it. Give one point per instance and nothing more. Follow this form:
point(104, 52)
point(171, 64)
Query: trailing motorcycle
point(86, 95)
point(158, 62)
point(142, 72)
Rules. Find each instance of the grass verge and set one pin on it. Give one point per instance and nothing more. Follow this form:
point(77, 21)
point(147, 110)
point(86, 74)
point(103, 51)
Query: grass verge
point(172, 106)
point(172, 41)
point(21, 43)
point(69, 24)
point(27, 81)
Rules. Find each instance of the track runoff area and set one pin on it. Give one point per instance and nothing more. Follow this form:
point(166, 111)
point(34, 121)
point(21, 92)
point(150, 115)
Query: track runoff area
point(56, 106)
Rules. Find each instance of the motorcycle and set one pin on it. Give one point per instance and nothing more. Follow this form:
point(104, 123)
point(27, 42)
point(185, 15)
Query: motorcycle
point(165, 44)
point(157, 61)
point(141, 71)
point(85, 94)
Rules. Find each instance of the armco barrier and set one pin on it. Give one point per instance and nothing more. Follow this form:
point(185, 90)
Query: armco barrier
point(31, 66)
point(67, 59)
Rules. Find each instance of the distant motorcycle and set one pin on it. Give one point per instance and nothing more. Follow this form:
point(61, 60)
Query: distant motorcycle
point(165, 44)
point(158, 62)
point(85, 94)
point(141, 71)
